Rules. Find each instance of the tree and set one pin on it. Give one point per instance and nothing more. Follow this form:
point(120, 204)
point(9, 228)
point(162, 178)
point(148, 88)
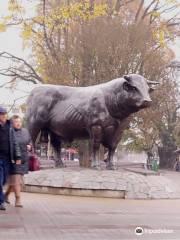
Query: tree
point(87, 42)
point(59, 27)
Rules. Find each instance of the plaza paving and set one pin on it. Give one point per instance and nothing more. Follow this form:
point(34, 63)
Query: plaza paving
point(56, 217)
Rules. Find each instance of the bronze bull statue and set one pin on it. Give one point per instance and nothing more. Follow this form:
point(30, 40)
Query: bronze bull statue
point(99, 113)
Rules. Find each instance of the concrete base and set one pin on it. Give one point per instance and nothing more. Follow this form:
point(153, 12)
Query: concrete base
point(143, 171)
point(102, 183)
point(75, 191)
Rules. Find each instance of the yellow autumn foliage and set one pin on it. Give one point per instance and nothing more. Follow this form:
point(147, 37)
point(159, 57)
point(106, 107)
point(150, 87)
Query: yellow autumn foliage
point(171, 1)
point(60, 18)
point(26, 32)
point(14, 6)
point(2, 27)
point(74, 12)
point(156, 14)
point(160, 34)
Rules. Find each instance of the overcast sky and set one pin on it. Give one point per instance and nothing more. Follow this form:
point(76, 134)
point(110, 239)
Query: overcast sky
point(10, 41)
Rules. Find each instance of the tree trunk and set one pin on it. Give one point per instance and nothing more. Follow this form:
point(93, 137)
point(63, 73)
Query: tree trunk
point(167, 157)
point(84, 154)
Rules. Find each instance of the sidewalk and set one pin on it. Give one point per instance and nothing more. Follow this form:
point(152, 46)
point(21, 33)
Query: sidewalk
point(54, 217)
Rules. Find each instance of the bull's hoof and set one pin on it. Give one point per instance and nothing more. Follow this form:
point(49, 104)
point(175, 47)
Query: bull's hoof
point(111, 167)
point(61, 165)
point(95, 166)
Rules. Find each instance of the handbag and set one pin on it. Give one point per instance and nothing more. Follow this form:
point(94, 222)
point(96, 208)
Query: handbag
point(34, 164)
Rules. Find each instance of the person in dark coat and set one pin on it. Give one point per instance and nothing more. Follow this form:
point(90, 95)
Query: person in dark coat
point(9, 152)
point(15, 181)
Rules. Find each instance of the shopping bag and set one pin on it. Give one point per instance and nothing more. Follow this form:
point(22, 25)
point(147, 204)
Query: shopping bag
point(34, 164)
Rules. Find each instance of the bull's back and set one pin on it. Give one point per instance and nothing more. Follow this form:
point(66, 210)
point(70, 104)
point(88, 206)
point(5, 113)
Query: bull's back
point(43, 99)
point(47, 95)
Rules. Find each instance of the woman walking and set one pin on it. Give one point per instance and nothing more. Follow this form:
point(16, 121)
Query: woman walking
point(15, 181)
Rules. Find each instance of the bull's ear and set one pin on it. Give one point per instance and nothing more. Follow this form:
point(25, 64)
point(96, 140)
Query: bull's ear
point(127, 78)
point(151, 89)
point(150, 83)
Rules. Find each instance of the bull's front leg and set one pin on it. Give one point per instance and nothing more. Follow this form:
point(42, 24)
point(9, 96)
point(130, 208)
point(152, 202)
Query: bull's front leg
point(95, 138)
point(57, 155)
point(111, 145)
point(110, 165)
point(56, 144)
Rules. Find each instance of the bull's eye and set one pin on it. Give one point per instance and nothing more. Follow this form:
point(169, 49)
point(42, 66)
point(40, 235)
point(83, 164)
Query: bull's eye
point(134, 89)
point(126, 86)
point(129, 88)
point(151, 89)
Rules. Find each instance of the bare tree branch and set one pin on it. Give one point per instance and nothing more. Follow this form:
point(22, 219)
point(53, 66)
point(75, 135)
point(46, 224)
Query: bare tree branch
point(23, 70)
point(6, 83)
point(15, 100)
point(139, 10)
point(49, 41)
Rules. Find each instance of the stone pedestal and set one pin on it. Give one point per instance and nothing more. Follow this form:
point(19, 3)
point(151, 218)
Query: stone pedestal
point(102, 183)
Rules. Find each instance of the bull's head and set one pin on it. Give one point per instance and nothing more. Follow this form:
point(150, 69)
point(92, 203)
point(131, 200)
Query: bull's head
point(136, 91)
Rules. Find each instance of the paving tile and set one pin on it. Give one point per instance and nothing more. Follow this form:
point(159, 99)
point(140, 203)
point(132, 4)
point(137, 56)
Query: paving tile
point(55, 217)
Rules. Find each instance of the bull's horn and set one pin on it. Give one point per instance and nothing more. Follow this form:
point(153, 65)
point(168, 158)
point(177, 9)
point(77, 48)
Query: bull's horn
point(152, 82)
point(127, 77)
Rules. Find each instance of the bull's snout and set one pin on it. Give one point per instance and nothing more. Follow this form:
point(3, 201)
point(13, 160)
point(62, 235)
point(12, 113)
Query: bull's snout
point(146, 103)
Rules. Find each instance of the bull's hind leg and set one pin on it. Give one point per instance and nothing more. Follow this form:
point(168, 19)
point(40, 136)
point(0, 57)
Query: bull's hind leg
point(95, 138)
point(110, 162)
point(56, 144)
